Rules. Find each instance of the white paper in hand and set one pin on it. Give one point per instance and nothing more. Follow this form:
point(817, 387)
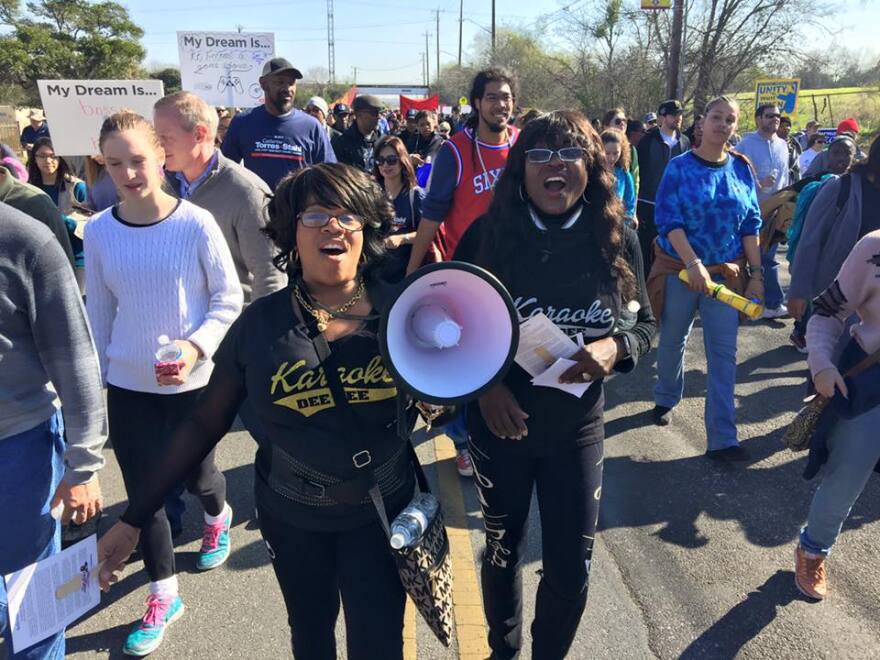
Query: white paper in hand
point(541, 343)
point(47, 596)
point(550, 378)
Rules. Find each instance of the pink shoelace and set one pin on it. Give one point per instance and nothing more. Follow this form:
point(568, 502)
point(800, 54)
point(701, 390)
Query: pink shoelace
point(211, 536)
point(157, 607)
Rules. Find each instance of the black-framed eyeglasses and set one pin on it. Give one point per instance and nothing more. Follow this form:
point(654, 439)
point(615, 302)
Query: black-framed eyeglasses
point(566, 155)
point(387, 160)
point(773, 116)
point(318, 219)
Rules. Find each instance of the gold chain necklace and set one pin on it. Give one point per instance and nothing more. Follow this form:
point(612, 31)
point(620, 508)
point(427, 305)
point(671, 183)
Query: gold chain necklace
point(322, 315)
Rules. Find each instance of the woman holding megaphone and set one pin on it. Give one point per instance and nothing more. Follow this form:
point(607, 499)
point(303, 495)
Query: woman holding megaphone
point(555, 237)
point(320, 526)
point(708, 220)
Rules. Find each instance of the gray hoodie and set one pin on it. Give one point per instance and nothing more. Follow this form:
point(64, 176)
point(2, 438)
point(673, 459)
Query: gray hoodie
point(46, 346)
point(827, 238)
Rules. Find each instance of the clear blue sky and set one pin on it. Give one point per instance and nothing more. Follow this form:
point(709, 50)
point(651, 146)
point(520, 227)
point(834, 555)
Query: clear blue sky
point(385, 38)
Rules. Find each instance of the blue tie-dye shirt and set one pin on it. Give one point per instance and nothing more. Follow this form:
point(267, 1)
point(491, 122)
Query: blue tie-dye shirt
point(716, 204)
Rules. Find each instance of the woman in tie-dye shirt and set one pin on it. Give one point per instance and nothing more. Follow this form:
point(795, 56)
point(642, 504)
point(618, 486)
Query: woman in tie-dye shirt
point(707, 214)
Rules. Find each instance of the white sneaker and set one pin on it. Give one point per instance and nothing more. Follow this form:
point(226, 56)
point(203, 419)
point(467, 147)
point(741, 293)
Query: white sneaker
point(775, 313)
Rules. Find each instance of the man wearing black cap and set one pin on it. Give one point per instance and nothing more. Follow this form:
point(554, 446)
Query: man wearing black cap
point(276, 138)
point(355, 146)
point(412, 127)
point(656, 149)
point(341, 116)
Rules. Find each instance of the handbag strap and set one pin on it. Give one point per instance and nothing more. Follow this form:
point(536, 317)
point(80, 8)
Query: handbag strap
point(361, 457)
point(863, 365)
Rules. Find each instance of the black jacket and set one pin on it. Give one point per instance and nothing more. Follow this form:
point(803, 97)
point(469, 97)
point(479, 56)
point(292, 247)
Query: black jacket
point(654, 155)
point(354, 149)
point(424, 147)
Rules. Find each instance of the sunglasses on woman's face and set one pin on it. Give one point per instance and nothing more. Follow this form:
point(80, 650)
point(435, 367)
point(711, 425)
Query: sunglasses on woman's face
point(318, 219)
point(387, 160)
point(543, 156)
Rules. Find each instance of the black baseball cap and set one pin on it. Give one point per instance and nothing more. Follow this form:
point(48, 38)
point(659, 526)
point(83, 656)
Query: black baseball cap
point(280, 65)
point(670, 107)
point(367, 102)
point(341, 109)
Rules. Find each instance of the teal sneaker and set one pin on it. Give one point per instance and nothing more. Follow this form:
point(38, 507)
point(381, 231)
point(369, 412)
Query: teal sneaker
point(148, 634)
point(215, 543)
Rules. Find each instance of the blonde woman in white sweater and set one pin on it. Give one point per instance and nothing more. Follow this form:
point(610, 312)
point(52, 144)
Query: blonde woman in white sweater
point(155, 266)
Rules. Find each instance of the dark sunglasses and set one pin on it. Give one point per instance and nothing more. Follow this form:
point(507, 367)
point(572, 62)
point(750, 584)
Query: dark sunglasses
point(620, 121)
point(566, 155)
point(388, 160)
point(318, 219)
point(776, 116)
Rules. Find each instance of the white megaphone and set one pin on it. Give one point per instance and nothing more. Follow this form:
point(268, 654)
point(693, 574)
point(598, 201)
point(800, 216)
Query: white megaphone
point(450, 333)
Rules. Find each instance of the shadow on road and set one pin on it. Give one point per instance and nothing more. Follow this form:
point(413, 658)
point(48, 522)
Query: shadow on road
point(768, 503)
point(734, 630)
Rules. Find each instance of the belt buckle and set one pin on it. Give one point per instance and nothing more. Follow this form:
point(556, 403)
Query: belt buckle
point(362, 459)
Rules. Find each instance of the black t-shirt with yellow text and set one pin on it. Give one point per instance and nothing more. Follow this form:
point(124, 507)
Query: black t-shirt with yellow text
point(286, 384)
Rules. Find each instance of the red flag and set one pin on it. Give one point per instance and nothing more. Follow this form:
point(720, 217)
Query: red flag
point(346, 98)
point(407, 104)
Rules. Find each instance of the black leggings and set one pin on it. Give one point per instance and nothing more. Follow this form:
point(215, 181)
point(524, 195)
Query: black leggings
point(141, 424)
point(314, 568)
point(569, 486)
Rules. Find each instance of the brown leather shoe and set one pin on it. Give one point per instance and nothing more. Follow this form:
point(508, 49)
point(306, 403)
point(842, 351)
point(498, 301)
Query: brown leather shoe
point(810, 576)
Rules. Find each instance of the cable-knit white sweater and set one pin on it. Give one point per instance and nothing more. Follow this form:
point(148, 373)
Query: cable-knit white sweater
point(175, 277)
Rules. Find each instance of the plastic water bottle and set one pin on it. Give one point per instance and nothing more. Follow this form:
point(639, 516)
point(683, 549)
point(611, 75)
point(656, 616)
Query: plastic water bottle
point(410, 525)
point(168, 350)
point(167, 357)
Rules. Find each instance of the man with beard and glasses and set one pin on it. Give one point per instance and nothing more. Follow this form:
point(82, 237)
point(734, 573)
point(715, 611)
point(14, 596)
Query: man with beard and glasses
point(769, 157)
point(460, 188)
point(274, 139)
point(355, 145)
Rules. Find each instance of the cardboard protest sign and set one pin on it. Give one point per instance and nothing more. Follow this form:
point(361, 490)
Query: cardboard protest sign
point(75, 109)
point(224, 67)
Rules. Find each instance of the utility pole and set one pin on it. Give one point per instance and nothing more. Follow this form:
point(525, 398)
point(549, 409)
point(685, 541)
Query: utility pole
point(437, 14)
point(355, 74)
point(331, 43)
point(427, 60)
point(673, 76)
point(493, 30)
point(460, 24)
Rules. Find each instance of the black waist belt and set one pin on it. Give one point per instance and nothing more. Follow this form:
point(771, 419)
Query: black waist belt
point(303, 484)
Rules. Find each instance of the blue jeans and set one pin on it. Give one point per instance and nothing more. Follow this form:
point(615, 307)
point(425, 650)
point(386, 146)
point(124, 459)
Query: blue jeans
point(457, 429)
point(720, 325)
point(773, 296)
point(853, 451)
point(31, 468)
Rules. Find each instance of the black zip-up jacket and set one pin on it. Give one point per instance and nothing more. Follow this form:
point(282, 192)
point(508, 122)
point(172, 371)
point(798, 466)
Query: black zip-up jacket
point(654, 155)
point(424, 147)
point(354, 149)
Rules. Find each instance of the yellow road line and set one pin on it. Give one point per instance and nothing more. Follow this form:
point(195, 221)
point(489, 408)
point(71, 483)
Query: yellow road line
point(470, 626)
point(409, 631)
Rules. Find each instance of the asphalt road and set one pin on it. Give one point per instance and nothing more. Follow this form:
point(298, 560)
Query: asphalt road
point(693, 560)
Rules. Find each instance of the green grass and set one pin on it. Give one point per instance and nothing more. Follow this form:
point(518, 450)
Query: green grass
point(831, 106)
